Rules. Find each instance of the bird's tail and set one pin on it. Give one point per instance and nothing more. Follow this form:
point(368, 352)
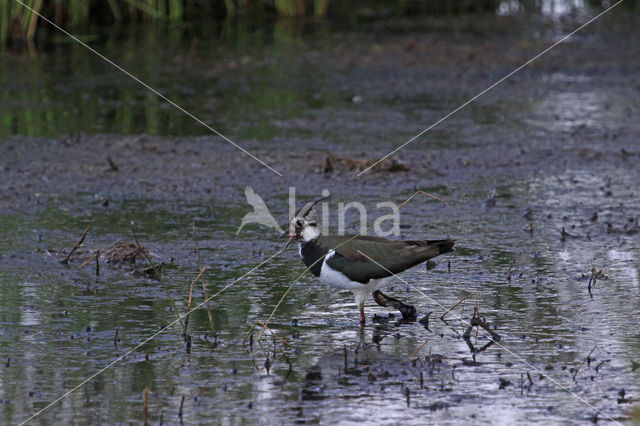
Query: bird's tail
point(443, 246)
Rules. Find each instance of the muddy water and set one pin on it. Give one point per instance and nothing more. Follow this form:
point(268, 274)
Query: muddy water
point(555, 149)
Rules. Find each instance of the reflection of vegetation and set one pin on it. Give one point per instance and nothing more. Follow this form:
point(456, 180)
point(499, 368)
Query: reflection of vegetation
point(19, 22)
point(66, 90)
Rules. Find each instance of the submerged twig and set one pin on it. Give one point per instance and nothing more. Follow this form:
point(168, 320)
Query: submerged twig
point(249, 333)
point(346, 359)
point(274, 334)
point(476, 321)
point(286, 358)
point(414, 353)
point(180, 411)
point(166, 289)
point(204, 286)
point(583, 361)
point(209, 314)
point(187, 316)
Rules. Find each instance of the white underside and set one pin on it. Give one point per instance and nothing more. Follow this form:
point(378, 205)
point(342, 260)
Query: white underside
point(337, 279)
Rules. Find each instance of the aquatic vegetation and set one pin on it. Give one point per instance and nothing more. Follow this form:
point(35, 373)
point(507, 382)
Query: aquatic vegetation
point(19, 20)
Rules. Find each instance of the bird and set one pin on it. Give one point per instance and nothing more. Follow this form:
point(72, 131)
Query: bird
point(260, 213)
point(362, 264)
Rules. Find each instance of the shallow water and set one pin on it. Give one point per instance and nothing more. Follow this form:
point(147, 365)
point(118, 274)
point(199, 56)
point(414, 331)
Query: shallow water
point(547, 320)
point(557, 147)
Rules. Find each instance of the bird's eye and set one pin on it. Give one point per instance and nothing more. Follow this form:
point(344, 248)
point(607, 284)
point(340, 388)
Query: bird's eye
point(299, 223)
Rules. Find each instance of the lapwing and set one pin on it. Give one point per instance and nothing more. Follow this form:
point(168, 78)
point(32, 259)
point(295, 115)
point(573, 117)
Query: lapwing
point(362, 264)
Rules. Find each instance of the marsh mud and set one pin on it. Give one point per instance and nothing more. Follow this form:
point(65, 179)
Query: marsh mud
point(540, 175)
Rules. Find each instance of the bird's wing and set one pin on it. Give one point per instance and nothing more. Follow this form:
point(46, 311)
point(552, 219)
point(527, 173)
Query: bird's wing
point(252, 197)
point(262, 214)
point(364, 258)
point(256, 201)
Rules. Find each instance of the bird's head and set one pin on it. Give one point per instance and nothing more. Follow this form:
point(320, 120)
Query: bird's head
point(305, 223)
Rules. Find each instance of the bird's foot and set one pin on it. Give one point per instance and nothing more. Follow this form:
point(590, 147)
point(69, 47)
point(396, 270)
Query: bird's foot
point(408, 312)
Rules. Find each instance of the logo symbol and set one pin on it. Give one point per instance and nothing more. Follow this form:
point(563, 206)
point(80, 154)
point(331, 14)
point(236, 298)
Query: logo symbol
point(260, 214)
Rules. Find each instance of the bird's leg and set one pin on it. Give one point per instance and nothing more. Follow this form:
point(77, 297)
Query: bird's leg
point(362, 317)
point(408, 312)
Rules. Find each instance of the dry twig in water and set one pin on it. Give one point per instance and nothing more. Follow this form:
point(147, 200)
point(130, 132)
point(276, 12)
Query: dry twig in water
point(583, 361)
point(475, 322)
point(76, 246)
point(145, 405)
point(204, 286)
point(594, 277)
point(166, 289)
point(454, 306)
point(180, 411)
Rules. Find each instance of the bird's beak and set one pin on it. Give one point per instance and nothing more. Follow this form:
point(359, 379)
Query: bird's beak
point(291, 237)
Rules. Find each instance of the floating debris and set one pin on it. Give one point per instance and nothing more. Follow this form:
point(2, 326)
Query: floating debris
point(152, 271)
point(503, 383)
point(332, 164)
point(125, 252)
